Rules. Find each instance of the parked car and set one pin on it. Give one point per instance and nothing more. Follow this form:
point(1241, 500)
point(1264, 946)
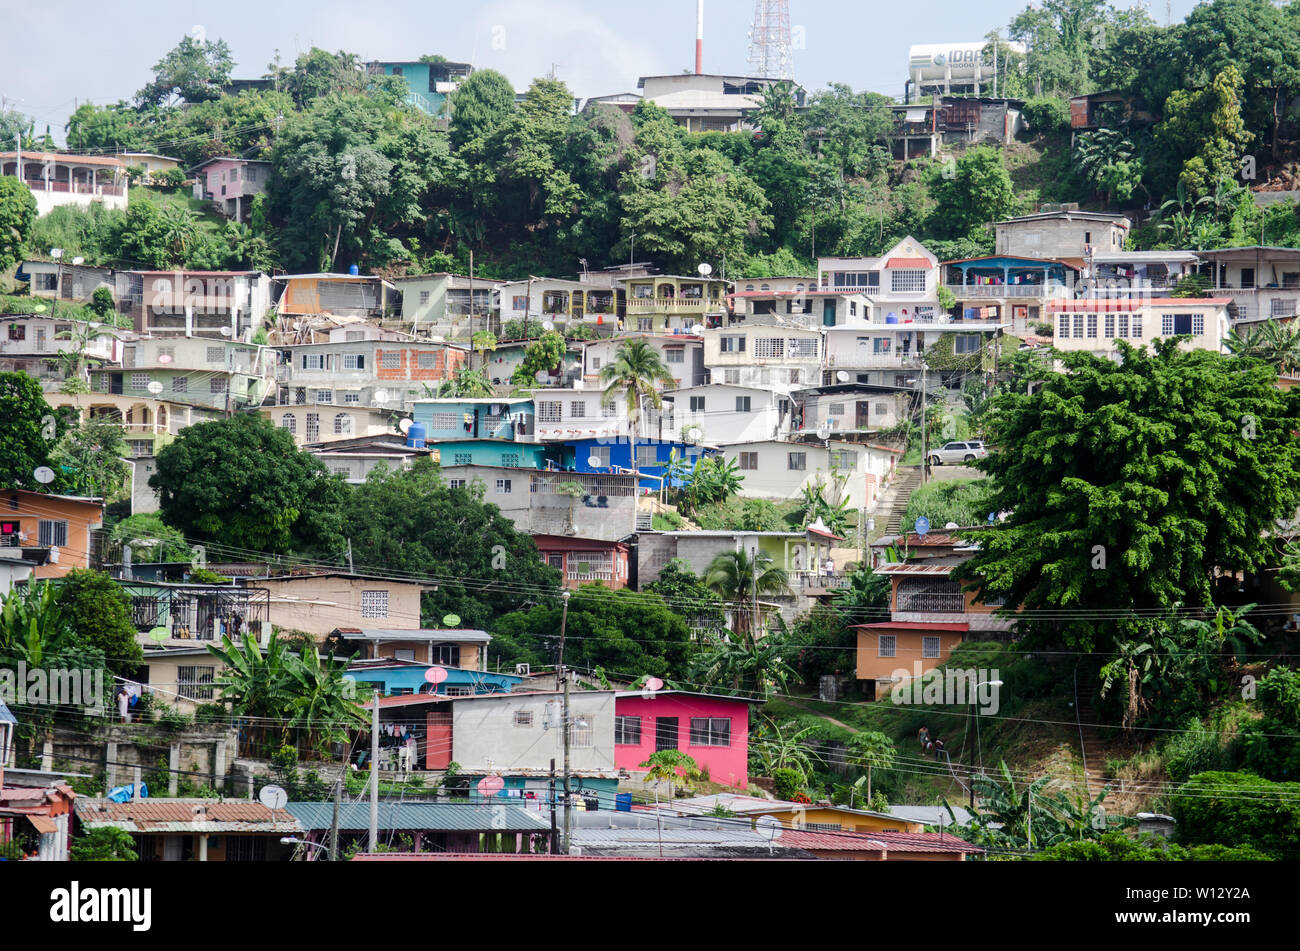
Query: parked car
point(958, 453)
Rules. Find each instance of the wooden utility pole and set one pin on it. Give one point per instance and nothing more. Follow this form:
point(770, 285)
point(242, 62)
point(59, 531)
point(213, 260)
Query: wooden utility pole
point(564, 717)
point(374, 773)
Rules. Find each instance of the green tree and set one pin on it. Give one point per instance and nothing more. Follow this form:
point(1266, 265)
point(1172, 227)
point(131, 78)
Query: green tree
point(89, 460)
point(1062, 36)
point(1132, 484)
point(30, 432)
point(544, 354)
point(786, 745)
point(972, 194)
point(481, 106)
point(870, 750)
point(242, 483)
point(317, 73)
point(637, 373)
point(740, 579)
point(104, 844)
point(1203, 135)
point(151, 538)
point(98, 614)
point(17, 213)
point(193, 71)
point(686, 594)
point(1240, 808)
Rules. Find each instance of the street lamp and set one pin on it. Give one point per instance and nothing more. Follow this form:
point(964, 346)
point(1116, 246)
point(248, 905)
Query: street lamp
point(975, 689)
point(564, 718)
point(291, 840)
point(57, 254)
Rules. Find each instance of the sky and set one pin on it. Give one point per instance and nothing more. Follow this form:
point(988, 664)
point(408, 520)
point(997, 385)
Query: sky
point(103, 52)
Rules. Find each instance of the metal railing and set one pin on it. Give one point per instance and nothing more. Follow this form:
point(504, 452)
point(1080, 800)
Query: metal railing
point(932, 602)
point(968, 291)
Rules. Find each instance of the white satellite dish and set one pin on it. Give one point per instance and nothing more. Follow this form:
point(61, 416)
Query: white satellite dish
point(842, 376)
point(822, 432)
point(273, 797)
point(548, 325)
point(769, 827)
point(381, 396)
point(44, 475)
point(705, 270)
point(951, 525)
point(78, 260)
point(594, 462)
point(404, 425)
point(154, 387)
point(697, 329)
point(225, 331)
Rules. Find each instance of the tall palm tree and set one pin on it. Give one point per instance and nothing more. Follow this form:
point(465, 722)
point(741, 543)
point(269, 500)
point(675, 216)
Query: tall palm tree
point(739, 578)
point(637, 371)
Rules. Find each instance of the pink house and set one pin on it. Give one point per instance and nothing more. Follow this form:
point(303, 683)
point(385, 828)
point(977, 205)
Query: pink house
point(231, 182)
point(713, 730)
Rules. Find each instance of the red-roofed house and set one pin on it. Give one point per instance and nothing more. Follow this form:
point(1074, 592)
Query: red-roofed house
point(36, 817)
point(880, 846)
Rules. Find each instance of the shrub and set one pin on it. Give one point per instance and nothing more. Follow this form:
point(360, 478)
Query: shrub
point(1195, 751)
point(1046, 114)
point(1241, 808)
point(788, 782)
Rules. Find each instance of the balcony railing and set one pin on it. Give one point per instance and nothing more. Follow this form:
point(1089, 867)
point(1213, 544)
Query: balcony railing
point(932, 602)
point(1019, 291)
point(673, 305)
point(874, 361)
point(820, 579)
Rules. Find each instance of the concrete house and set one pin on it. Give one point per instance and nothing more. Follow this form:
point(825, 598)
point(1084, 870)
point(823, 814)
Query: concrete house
point(664, 303)
point(212, 373)
point(63, 280)
point(62, 178)
point(602, 506)
point(452, 306)
point(448, 647)
point(708, 102)
point(1004, 289)
point(194, 830)
point(718, 414)
point(455, 418)
point(682, 354)
point(713, 730)
point(585, 560)
point(792, 356)
point(430, 85)
point(230, 304)
point(1064, 234)
point(358, 369)
point(60, 526)
point(1096, 325)
point(354, 459)
point(1261, 282)
point(562, 302)
point(780, 469)
point(231, 183)
point(318, 604)
point(33, 345)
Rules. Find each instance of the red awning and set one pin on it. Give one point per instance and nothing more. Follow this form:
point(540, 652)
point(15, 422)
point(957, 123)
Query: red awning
point(907, 262)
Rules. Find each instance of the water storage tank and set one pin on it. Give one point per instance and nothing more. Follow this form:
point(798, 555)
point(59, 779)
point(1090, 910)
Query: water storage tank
point(416, 436)
point(955, 64)
point(354, 270)
point(891, 318)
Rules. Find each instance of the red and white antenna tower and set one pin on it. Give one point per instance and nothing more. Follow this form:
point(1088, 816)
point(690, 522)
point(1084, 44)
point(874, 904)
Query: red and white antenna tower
point(770, 48)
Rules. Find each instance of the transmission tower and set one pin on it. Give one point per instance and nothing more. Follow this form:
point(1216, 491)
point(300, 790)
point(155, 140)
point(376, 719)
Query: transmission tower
point(770, 48)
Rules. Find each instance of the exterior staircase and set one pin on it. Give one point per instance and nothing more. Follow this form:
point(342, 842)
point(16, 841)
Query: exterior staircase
point(894, 503)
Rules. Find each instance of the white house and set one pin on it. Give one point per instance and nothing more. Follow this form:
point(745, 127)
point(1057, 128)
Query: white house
point(1097, 325)
point(779, 469)
point(720, 414)
point(682, 354)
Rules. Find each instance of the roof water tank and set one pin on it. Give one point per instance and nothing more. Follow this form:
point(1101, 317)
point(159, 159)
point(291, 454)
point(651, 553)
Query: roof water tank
point(354, 270)
point(891, 318)
point(416, 436)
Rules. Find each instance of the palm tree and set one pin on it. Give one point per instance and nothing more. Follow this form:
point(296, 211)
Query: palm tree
point(180, 229)
point(739, 579)
point(745, 666)
point(1273, 342)
point(783, 745)
point(465, 384)
point(869, 750)
point(637, 371)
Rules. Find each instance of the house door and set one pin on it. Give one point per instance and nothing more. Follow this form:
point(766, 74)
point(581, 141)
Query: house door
point(115, 383)
point(665, 733)
point(828, 313)
point(863, 407)
point(172, 848)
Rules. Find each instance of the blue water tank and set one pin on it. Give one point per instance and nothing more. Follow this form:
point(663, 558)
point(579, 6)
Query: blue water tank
point(416, 436)
point(623, 802)
point(353, 270)
point(891, 318)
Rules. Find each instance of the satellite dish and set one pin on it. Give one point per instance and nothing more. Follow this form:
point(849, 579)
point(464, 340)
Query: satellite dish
point(594, 462)
point(404, 425)
point(922, 526)
point(435, 675)
point(451, 620)
point(951, 525)
point(158, 634)
point(273, 797)
point(225, 331)
point(44, 475)
point(56, 253)
point(653, 683)
point(154, 387)
point(39, 309)
point(705, 270)
point(491, 785)
point(697, 329)
point(381, 396)
point(769, 827)
point(823, 432)
point(78, 260)
point(164, 358)
point(842, 376)
point(548, 325)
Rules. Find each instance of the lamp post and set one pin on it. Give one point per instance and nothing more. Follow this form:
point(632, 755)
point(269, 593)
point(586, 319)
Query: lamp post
point(292, 840)
point(973, 714)
point(57, 254)
point(564, 718)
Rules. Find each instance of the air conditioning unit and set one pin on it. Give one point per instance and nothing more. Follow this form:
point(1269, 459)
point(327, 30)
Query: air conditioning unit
point(522, 670)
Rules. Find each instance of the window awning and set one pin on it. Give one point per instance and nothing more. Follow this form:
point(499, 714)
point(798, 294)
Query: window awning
point(43, 824)
point(915, 115)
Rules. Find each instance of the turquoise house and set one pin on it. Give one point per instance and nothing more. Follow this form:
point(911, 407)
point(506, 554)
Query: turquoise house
point(491, 452)
point(402, 677)
point(431, 84)
point(444, 418)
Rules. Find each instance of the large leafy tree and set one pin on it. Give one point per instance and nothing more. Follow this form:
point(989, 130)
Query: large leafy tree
point(242, 483)
point(193, 71)
point(1130, 484)
point(740, 579)
point(412, 521)
point(17, 213)
point(483, 104)
point(89, 459)
point(973, 194)
point(1062, 36)
point(30, 430)
point(1203, 135)
point(98, 614)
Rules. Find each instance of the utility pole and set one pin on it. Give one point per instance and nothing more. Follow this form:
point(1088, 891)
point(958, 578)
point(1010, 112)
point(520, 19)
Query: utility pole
point(334, 823)
point(374, 773)
point(564, 718)
point(350, 568)
point(753, 570)
point(925, 463)
point(970, 779)
point(555, 838)
point(471, 301)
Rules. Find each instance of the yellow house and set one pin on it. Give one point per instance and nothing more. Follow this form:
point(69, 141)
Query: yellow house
point(664, 303)
point(813, 817)
point(321, 603)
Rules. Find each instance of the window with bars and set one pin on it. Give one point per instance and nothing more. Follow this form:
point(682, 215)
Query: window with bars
point(835, 409)
point(194, 682)
point(180, 384)
point(930, 647)
point(324, 396)
point(343, 424)
point(427, 360)
point(577, 409)
point(887, 645)
point(1063, 325)
point(462, 459)
point(674, 355)
point(710, 731)
point(444, 421)
point(246, 848)
point(1198, 324)
point(140, 447)
point(1092, 326)
point(844, 459)
point(374, 604)
point(549, 411)
point(354, 361)
point(523, 718)
point(101, 382)
point(215, 355)
point(802, 349)
point(351, 397)
point(1078, 326)
point(313, 361)
point(907, 281)
point(1110, 326)
point(391, 360)
point(1122, 323)
point(290, 422)
point(52, 533)
point(218, 385)
point(313, 427)
point(510, 460)
point(140, 381)
point(769, 348)
point(627, 731)
point(1137, 326)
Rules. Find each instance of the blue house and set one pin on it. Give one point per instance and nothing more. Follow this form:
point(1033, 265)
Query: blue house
point(492, 418)
point(401, 677)
point(652, 456)
point(492, 452)
point(431, 84)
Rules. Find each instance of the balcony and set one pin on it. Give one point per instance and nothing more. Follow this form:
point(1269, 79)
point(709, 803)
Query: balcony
point(810, 581)
point(932, 602)
point(874, 361)
point(674, 305)
point(1006, 291)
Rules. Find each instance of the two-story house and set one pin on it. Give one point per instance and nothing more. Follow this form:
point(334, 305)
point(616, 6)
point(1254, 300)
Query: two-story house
point(1097, 325)
point(206, 372)
point(1005, 289)
point(429, 84)
point(781, 469)
point(1260, 282)
point(231, 304)
point(452, 306)
point(763, 353)
point(719, 414)
point(663, 303)
point(561, 302)
point(231, 183)
point(682, 354)
point(592, 505)
point(511, 419)
point(40, 346)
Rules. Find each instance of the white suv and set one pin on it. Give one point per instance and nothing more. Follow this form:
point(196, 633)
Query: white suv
point(958, 453)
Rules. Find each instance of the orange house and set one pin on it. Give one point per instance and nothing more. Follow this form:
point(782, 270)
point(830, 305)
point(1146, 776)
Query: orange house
point(63, 524)
point(930, 614)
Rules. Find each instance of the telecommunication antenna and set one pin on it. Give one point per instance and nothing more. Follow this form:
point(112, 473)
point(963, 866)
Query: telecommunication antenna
point(770, 46)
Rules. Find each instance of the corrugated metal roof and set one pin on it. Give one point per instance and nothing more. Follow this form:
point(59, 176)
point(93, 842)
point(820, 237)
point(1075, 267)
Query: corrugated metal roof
point(184, 815)
point(466, 816)
point(875, 842)
point(728, 838)
point(5, 715)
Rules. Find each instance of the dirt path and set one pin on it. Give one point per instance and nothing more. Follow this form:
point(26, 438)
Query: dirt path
point(818, 713)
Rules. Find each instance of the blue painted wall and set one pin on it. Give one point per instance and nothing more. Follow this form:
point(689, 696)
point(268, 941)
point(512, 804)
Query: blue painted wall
point(620, 454)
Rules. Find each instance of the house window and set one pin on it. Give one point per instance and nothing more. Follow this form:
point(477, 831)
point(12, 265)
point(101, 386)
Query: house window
point(797, 460)
point(510, 460)
point(731, 375)
point(392, 360)
point(17, 331)
point(1123, 325)
point(710, 731)
point(930, 647)
point(246, 848)
point(803, 349)
point(1110, 326)
point(769, 348)
point(250, 174)
point(697, 404)
point(290, 422)
point(140, 381)
point(503, 486)
point(463, 459)
point(215, 355)
point(444, 421)
point(549, 411)
point(647, 456)
point(343, 471)
point(1063, 325)
point(1078, 326)
point(194, 682)
point(742, 404)
point(835, 409)
point(427, 360)
point(141, 447)
point(582, 732)
point(844, 459)
point(749, 460)
point(354, 361)
point(645, 324)
point(627, 731)
point(732, 344)
point(351, 397)
point(424, 297)
point(313, 361)
point(907, 281)
point(313, 427)
point(459, 691)
point(457, 483)
point(523, 718)
point(1198, 324)
point(595, 363)
point(609, 410)
point(1137, 326)
point(374, 604)
point(675, 355)
point(217, 385)
point(577, 409)
point(794, 376)
point(343, 424)
point(447, 655)
point(1092, 326)
point(324, 396)
point(888, 645)
point(970, 343)
point(180, 384)
point(52, 533)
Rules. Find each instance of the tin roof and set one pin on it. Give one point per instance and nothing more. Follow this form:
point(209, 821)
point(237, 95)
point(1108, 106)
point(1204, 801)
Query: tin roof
point(908, 262)
point(415, 634)
point(916, 842)
point(5, 715)
point(467, 816)
point(184, 815)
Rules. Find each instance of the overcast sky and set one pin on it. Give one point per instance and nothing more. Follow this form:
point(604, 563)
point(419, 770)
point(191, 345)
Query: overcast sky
point(53, 57)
